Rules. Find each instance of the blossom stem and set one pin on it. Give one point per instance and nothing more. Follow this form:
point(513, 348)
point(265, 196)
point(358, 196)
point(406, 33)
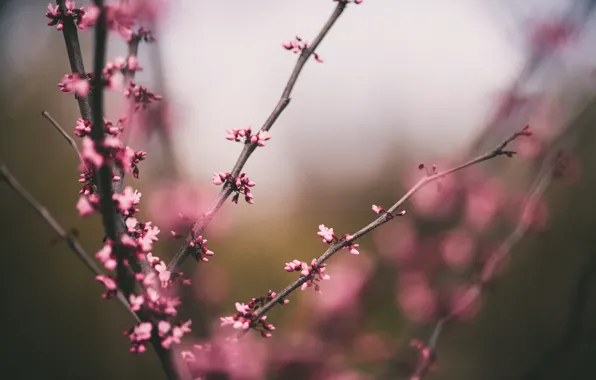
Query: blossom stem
point(387, 216)
point(283, 102)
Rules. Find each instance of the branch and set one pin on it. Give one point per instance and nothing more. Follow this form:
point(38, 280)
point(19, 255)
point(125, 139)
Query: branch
point(66, 136)
point(91, 108)
point(75, 58)
point(536, 190)
point(386, 216)
point(73, 243)
point(249, 148)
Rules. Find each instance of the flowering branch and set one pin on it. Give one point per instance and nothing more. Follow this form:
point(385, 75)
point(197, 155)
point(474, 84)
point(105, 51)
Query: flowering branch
point(75, 58)
point(102, 152)
point(386, 215)
point(536, 190)
point(250, 146)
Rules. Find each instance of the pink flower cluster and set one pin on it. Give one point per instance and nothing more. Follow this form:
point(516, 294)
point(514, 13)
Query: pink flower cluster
point(245, 135)
point(246, 315)
point(198, 243)
point(241, 185)
point(298, 45)
point(143, 332)
point(141, 95)
point(313, 272)
point(380, 210)
point(77, 83)
point(81, 18)
point(329, 237)
point(113, 73)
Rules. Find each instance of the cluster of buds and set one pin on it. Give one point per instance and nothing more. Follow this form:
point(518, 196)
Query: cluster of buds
point(245, 317)
point(143, 332)
point(141, 95)
point(81, 18)
point(83, 127)
point(80, 84)
point(114, 72)
point(298, 45)
point(247, 137)
point(314, 273)
point(240, 185)
point(143, 34)
point(380, 210)
point(329, 237)
point(201, 251)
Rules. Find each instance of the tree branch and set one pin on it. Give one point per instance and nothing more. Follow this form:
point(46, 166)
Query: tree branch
point(386, 216)
point(199, 226)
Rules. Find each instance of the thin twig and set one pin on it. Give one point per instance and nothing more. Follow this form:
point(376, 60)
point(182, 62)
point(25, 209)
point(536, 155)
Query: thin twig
point(249, 148)
point(385, 217)
point(536, 190)
point(61, 130)
point(73, 243)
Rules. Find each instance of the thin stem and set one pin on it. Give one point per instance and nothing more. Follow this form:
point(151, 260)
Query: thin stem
point(69, 139)
point(199, 226)
point(536, 190)
point(73, 243)
point(386, 216)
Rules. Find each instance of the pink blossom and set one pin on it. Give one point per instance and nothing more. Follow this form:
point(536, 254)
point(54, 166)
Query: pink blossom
point(326, 233)
point(147, 236)
point(71, 13)
point(352, 247)
point(90, 154)
point(106, 257)
point(139, 335)
point(163, 274)
point(87, 205)
point(109, 284)
point(377, 209)
point(136, 302)
point(141, 95)
point(260, 138)
point(293, 266)
point(89, 18)
point(315, 273)
point(219, 178)
point(201, 250)
point(127, 200)
point(245, 316)
point(83, 127)
point(298, 45)
point(75, 83)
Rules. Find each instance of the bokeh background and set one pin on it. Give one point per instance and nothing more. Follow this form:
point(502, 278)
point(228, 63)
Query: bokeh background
point(402, 83)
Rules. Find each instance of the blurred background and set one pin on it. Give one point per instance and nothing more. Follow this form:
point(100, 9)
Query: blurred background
point(402, 83)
